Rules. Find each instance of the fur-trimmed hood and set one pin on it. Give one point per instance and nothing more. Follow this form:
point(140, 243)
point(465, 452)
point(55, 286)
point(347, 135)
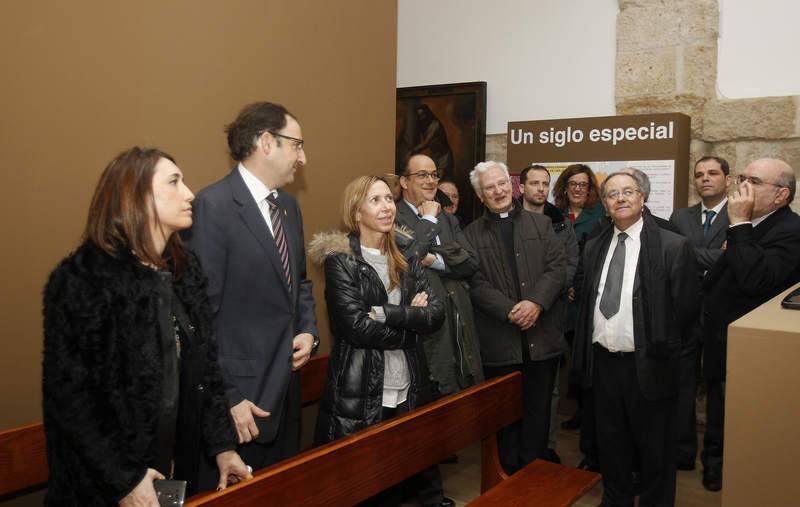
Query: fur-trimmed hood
point(325, 244)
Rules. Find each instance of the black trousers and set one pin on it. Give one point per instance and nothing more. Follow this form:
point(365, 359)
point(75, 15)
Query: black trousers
point(588, 436)
point(263, 454)
point(686, 426)
point(526, 440)
point(426, 486)
point(629, 425)
point(715, 425)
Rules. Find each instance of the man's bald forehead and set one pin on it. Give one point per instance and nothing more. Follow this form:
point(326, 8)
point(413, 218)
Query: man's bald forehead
point(775, 165)
point(418, 160)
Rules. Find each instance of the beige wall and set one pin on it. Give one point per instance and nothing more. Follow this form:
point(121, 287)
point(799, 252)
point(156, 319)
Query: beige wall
point(85, 80)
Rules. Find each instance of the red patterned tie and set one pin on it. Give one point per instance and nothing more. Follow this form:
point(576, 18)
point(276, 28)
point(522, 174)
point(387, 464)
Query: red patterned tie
point(280, 237)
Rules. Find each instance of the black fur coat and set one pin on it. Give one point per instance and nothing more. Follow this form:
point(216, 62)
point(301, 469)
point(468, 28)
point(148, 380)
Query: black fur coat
point(102, 377)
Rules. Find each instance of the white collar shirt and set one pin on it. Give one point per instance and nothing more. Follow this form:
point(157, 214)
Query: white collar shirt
point(259, 191)
point(716, 209)
point(616, 333)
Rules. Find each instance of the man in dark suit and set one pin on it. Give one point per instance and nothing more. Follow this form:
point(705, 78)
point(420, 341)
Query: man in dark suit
point(638, 286)
point(759, 260)
point(248, 235)
point(704, 225)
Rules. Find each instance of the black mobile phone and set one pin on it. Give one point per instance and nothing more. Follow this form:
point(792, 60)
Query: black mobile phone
point(170, 493)
point(792, 300)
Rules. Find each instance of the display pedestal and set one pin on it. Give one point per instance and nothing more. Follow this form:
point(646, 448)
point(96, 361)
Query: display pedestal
point(762, 408)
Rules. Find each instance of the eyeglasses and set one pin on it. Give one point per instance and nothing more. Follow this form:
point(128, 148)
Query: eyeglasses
point(755, 181)
point(627, 193)
point(490, 189)
point(423, 175)
point(578, 184)
point(298, 143)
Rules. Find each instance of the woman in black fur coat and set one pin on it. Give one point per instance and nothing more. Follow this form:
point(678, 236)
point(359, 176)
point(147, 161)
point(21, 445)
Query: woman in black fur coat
point(132, 391)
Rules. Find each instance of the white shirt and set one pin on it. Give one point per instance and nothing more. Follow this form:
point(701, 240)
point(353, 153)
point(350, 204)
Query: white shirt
point(716, 209)
point(616, 333)
point(756, 221)
point(259, 191)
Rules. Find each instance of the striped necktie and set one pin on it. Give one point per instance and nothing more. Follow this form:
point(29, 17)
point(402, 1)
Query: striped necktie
point(280, 237)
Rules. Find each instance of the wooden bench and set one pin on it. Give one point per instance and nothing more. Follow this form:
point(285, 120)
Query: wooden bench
point(357, 467)
point(23, 456)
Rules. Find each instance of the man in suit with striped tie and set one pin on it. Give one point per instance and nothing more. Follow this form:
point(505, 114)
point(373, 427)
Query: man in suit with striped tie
point(704, 225)
point(248, 235)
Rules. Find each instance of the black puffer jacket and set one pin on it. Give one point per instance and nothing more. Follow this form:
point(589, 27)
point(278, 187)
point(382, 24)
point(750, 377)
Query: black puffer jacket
point(354, 384)
point(103, 377)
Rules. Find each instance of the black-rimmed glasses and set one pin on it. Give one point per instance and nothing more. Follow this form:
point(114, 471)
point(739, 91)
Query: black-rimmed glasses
point(298, 143)
point(423, 175)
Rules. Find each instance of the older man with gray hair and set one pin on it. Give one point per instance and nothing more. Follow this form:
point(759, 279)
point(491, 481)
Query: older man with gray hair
point(759, 260)
point(639, 285)
point(518, 306)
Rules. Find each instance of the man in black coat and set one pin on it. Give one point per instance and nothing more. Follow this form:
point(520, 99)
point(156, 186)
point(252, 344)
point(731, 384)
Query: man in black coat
point(760, 260)
point(248, 235)
point(704, 225)
point(534, 183)
point(638, 286)
point(519, 306)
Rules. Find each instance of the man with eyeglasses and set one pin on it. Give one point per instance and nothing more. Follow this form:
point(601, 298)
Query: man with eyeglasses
point(759, 260)
point(248, 234)
point(638, 287)
point(519, 307)
point(452, 352)
point(704, 225)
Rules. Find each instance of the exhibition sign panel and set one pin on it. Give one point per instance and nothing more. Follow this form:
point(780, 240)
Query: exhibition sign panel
point(657, 144)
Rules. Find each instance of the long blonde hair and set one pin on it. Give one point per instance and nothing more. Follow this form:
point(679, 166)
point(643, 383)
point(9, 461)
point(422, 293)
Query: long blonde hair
point(355, 194)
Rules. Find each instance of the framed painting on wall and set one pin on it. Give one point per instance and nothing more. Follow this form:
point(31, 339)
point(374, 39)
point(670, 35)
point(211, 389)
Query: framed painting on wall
point(447, 122)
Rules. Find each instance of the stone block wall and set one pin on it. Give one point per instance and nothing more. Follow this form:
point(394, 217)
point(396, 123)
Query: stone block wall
point(667, 62)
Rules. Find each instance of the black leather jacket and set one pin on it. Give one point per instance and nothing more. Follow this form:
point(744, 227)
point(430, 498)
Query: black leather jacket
point(354, 384)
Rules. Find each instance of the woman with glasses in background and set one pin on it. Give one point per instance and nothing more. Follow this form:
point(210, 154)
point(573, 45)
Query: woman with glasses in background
point(577, 195)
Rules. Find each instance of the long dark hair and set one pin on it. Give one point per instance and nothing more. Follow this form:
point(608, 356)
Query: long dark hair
point(123, 206)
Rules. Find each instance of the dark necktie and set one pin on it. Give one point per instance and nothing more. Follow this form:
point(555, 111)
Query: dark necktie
point(280, 237)
point(710, 214)
point(609, 303)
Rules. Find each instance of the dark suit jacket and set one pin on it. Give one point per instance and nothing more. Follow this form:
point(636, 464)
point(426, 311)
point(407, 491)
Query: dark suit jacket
point(707, 249)
point(758, 264)
point(664, 300)
point(256, 314)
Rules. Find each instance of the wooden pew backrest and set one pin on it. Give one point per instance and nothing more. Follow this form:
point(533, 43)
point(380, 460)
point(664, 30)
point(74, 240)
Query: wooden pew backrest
point(378, 457)
point(23, 456)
